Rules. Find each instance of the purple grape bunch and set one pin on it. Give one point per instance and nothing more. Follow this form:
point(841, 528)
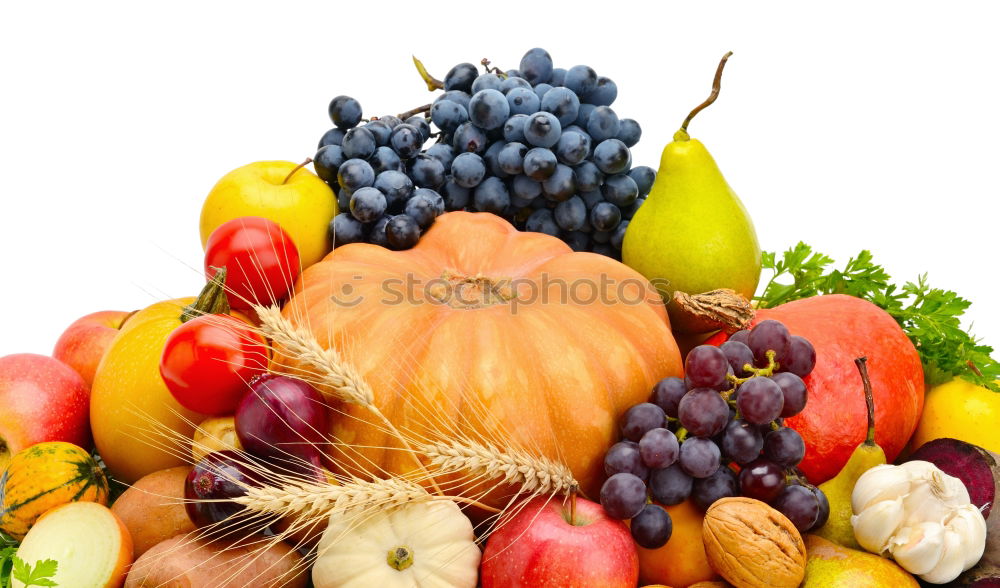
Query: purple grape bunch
point(538, 145)
point(718, 432)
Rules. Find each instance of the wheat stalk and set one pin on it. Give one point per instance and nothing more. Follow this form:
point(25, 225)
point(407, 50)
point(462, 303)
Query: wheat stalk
point(321, 499)
point(535, 474)
point(337, 377)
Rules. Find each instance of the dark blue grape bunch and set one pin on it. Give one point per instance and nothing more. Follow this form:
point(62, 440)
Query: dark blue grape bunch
point(538, 145)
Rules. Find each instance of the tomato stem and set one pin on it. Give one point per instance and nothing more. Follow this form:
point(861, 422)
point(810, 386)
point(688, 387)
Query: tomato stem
point(211, 300)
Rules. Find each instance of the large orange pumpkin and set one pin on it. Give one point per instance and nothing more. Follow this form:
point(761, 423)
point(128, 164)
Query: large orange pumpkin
point(489, 332)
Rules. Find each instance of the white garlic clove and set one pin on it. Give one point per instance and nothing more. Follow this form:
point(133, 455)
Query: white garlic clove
point(919, 468)
point(968, 522)
point(948, 489)
point(952, 561)
point(918, 548)
point(884, 482)
point(924, 504)
point(877, 523)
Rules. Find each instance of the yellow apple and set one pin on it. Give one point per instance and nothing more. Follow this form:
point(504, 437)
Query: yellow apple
point(301, 203)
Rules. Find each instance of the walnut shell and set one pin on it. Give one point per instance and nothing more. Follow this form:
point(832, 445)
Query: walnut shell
point(752, 545)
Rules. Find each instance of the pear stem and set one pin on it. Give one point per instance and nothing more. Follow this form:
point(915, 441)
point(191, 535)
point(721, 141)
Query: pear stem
point(295, 169)
point(716, 86)
point(861, 362)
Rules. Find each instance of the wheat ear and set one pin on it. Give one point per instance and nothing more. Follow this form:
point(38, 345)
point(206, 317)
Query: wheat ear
point(321, 499)
point(536, 474)
point(338, 378)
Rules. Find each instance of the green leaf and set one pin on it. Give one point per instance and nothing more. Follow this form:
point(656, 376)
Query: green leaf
point(6, 565)
point(931, 317)
point(39, 575)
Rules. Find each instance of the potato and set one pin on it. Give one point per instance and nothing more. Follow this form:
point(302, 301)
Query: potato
point(186, 561)
point(153, 508)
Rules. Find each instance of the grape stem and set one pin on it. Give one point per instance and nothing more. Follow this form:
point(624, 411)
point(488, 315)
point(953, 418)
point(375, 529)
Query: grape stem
point(681, 434)
point(432, 82)
point(414, 111)
point(716, 86)
point(772, 366)
point(494, 70)
point(295, 169)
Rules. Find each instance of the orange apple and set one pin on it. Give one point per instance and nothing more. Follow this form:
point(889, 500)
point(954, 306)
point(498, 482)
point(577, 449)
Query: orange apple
point(89, 542)
point(682, 561)
point(41, 399)
point(83, 343)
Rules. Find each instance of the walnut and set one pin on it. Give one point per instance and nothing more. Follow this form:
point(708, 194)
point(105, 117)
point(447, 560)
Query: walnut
point(722, 309)
point(752, 545)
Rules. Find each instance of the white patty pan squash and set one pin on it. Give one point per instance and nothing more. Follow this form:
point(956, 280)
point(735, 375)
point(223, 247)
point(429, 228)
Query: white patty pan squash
point(425, 545)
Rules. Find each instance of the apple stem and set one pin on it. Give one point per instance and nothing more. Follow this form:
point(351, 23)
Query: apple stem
point(974, 369)
point(572, 506)
point(861, 362)
point(211, 300)
point(295, 169)
point(413, 111)
point(716, 86)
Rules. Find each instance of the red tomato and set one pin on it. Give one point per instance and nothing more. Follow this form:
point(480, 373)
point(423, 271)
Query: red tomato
point(260, 258)
point(208, 361)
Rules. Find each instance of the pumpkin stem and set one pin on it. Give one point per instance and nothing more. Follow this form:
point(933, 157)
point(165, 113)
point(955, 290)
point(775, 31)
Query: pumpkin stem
point(211, 300)
point(400, 558)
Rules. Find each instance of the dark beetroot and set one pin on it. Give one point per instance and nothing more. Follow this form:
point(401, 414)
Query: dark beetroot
point(976, 467)
point(283, 421)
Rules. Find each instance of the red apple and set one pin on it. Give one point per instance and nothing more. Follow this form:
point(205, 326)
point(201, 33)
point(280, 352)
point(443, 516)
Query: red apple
point(83, 343)
point(42, 399)
point(538, 547)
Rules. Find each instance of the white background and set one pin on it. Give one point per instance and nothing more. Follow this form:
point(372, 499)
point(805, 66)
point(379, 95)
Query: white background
point(850, 126)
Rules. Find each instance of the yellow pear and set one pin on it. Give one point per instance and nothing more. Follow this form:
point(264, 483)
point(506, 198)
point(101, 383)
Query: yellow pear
point(829, 565)
point(693, 233)
point(839, 488)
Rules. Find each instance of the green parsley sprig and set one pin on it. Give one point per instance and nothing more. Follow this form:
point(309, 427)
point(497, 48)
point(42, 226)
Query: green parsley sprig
point(13, 568)
point(931, 317)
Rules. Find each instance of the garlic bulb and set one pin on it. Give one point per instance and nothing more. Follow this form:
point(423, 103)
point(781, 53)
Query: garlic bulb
point(921, 517)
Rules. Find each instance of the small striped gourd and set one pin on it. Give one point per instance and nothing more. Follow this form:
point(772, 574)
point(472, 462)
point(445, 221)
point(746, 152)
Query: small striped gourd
point(44, 476)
